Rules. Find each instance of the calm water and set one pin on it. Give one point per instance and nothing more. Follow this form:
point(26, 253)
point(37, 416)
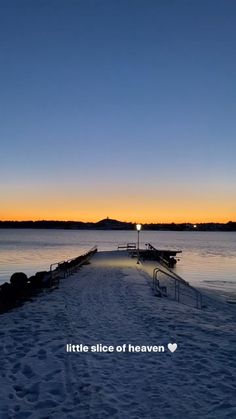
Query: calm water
point(208, 259)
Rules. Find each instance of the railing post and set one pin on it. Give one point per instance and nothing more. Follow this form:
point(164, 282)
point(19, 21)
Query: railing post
point(178, 282)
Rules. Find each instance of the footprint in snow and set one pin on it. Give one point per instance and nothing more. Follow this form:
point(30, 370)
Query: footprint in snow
point(20, 392)
point(16, 367)
point(32, 393)
point(42, 354)
point(28, 372)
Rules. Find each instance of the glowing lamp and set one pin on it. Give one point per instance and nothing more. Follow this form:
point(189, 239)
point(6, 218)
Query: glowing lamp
point(138, 227)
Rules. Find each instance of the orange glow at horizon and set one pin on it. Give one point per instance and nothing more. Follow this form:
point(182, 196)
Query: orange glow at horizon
point(160, 215)
point(136, 204)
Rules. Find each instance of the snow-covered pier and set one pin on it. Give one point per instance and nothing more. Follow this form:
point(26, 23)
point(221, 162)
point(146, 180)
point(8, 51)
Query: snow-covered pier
point(110, 303)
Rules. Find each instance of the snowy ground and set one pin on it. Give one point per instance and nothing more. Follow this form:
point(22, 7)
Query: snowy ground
point(110, 301)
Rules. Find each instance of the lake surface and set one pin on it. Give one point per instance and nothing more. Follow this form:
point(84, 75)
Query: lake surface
point(208, 259)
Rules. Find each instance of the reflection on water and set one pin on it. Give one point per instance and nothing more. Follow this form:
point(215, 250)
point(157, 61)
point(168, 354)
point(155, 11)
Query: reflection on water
point(208, 259)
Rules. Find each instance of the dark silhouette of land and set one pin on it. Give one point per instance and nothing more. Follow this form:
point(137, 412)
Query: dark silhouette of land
point(110, 224)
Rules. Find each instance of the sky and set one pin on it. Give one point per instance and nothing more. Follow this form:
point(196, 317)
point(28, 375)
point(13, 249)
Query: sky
point(118, 108)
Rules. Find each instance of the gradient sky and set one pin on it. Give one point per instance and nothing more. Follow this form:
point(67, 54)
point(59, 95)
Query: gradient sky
point(119, 108)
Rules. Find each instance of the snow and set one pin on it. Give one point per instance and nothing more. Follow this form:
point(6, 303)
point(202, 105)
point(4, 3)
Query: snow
point(110, 302)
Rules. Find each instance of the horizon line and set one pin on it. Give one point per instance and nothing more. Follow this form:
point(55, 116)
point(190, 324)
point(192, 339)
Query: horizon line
point(112, 219)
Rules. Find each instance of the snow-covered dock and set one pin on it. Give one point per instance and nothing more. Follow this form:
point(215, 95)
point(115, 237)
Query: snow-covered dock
point(110, 302)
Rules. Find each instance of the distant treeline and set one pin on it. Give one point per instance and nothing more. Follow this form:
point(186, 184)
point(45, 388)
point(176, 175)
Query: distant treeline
point(109, 224)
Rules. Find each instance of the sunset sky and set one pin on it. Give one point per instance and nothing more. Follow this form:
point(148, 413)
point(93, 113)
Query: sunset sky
point(119, 108)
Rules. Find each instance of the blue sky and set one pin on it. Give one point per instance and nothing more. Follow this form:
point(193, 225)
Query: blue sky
point(110, 98)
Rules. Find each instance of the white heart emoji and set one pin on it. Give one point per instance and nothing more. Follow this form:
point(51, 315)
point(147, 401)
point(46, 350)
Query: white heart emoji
point(172, 347)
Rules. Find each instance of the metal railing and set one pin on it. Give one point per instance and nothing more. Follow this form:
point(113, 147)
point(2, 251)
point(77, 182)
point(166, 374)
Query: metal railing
point(176, 288)
point(65, 268)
